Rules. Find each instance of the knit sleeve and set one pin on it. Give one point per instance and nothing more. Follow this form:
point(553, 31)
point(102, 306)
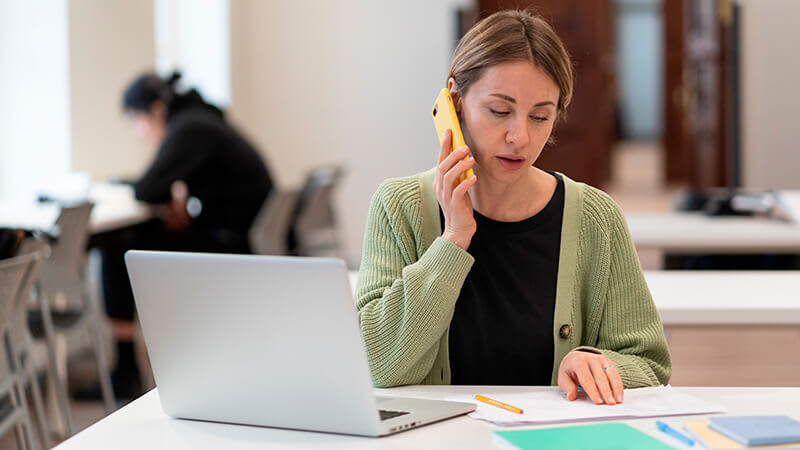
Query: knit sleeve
point(404, 304)
point(630, 333)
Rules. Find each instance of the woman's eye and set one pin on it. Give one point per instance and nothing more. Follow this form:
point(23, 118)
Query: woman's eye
point(498, 113)
point(539, 118)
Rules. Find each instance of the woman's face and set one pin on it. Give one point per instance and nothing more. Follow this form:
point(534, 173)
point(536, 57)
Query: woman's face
point(506, 117)
point(150, 126)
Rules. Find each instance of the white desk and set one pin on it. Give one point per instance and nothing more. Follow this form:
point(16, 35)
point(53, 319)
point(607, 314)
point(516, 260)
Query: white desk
point(695, 232)
point(115, 207)
point(142, 424)
point(726, 297)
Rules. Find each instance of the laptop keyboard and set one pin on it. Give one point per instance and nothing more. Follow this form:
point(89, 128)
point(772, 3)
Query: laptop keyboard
point(387, 414)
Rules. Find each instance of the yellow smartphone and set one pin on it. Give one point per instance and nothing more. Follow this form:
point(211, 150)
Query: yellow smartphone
point(444, 117)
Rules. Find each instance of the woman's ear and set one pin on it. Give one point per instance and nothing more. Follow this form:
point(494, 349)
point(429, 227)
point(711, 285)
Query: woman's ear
point(451, 86)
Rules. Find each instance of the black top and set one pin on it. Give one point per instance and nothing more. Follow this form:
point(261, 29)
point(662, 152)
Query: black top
point(502, 328)
point(218, 165)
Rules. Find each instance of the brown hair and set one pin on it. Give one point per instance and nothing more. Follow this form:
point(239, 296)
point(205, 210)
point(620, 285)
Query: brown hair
point(507, 36)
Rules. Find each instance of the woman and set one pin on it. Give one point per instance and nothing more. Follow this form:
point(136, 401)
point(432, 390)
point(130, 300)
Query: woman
point(207, 183)
point(514, 276)
point(201, 159)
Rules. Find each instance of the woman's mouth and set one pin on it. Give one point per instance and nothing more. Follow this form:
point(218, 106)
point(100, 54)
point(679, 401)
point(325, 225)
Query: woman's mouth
point(511, 162)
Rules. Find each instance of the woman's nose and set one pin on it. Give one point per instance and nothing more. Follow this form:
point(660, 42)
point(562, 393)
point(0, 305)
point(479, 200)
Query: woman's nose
point(518, 134)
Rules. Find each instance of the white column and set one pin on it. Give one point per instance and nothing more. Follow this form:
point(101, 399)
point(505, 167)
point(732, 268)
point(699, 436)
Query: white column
point(770, 69)
point(34, 96)
point(194, 37)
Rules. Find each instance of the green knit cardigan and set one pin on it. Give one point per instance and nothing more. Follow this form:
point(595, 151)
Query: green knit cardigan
point(411, 277)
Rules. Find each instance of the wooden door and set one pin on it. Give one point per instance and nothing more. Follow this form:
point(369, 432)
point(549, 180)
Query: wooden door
point(583, 142)
point(697, 129)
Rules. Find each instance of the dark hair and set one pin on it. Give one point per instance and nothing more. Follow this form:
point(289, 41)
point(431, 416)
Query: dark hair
point(147, 88)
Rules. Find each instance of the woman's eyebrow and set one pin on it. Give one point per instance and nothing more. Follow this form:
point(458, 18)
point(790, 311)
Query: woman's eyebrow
point(505, 97)
point(512, 100)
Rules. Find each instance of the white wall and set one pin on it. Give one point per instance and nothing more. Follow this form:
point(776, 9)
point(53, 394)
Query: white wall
point(770, 75)
point(34, 96)
point(348, 82)
point(110, 44)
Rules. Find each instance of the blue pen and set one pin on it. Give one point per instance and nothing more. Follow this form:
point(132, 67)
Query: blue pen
point(664, 428)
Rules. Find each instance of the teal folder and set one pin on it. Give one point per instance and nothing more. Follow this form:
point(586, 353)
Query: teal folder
point(601, 436)
point(758, 430)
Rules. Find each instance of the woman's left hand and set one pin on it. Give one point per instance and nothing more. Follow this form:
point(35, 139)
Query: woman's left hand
point(595, 373)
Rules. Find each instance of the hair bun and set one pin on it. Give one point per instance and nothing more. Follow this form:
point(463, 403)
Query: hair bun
point(176, 75)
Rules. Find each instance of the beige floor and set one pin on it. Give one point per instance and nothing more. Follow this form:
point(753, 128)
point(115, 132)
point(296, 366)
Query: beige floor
point(710, 356)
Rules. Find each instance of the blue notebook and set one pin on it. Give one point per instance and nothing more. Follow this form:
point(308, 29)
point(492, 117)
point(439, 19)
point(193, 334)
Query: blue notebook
point(758, 430)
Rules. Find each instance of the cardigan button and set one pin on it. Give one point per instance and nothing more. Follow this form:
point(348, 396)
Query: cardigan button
point(564, 331)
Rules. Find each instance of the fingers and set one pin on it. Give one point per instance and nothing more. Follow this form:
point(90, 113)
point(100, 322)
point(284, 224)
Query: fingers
point(568, 385)
point(451, 189)
point(616, 382)
point(446, 163)
point(587, 382)
point(447, 144)
point(446, 180)
point(452, 159)
point(463, 187)
point(452, 177)
point(596, 374)
point(601, 380)
point(444, 150)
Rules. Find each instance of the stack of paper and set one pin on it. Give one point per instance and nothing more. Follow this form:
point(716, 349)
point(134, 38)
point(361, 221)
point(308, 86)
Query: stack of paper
point(552, 406)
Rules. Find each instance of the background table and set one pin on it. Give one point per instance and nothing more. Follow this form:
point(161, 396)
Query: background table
point(115, 208)
point(726, 297)
point(688, 232)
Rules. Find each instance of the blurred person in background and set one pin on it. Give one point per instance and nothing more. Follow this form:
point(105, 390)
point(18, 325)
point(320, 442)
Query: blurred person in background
point(206, 184)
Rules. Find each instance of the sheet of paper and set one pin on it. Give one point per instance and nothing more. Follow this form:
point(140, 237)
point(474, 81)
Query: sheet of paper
point(552, 406)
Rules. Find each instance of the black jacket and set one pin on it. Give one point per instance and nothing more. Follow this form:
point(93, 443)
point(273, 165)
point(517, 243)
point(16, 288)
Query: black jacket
point(217, 164)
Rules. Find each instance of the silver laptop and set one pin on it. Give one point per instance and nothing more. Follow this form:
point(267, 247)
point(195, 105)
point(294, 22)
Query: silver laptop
point(264, 340)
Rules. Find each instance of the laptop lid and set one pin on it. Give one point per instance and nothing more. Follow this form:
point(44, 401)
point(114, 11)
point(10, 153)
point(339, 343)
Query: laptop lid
point(259, 340)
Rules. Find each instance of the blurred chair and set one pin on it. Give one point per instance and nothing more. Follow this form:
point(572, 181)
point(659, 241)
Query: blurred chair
point(21, 341)
point(64, 306)
point(270, 230)
point(16, 371)
point(314, 229)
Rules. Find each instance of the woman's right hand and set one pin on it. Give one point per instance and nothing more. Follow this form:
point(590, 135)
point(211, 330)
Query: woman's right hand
point(459, 222)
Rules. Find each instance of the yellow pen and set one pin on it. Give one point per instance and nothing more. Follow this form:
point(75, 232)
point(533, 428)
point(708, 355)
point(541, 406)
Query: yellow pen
point(497, 403)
